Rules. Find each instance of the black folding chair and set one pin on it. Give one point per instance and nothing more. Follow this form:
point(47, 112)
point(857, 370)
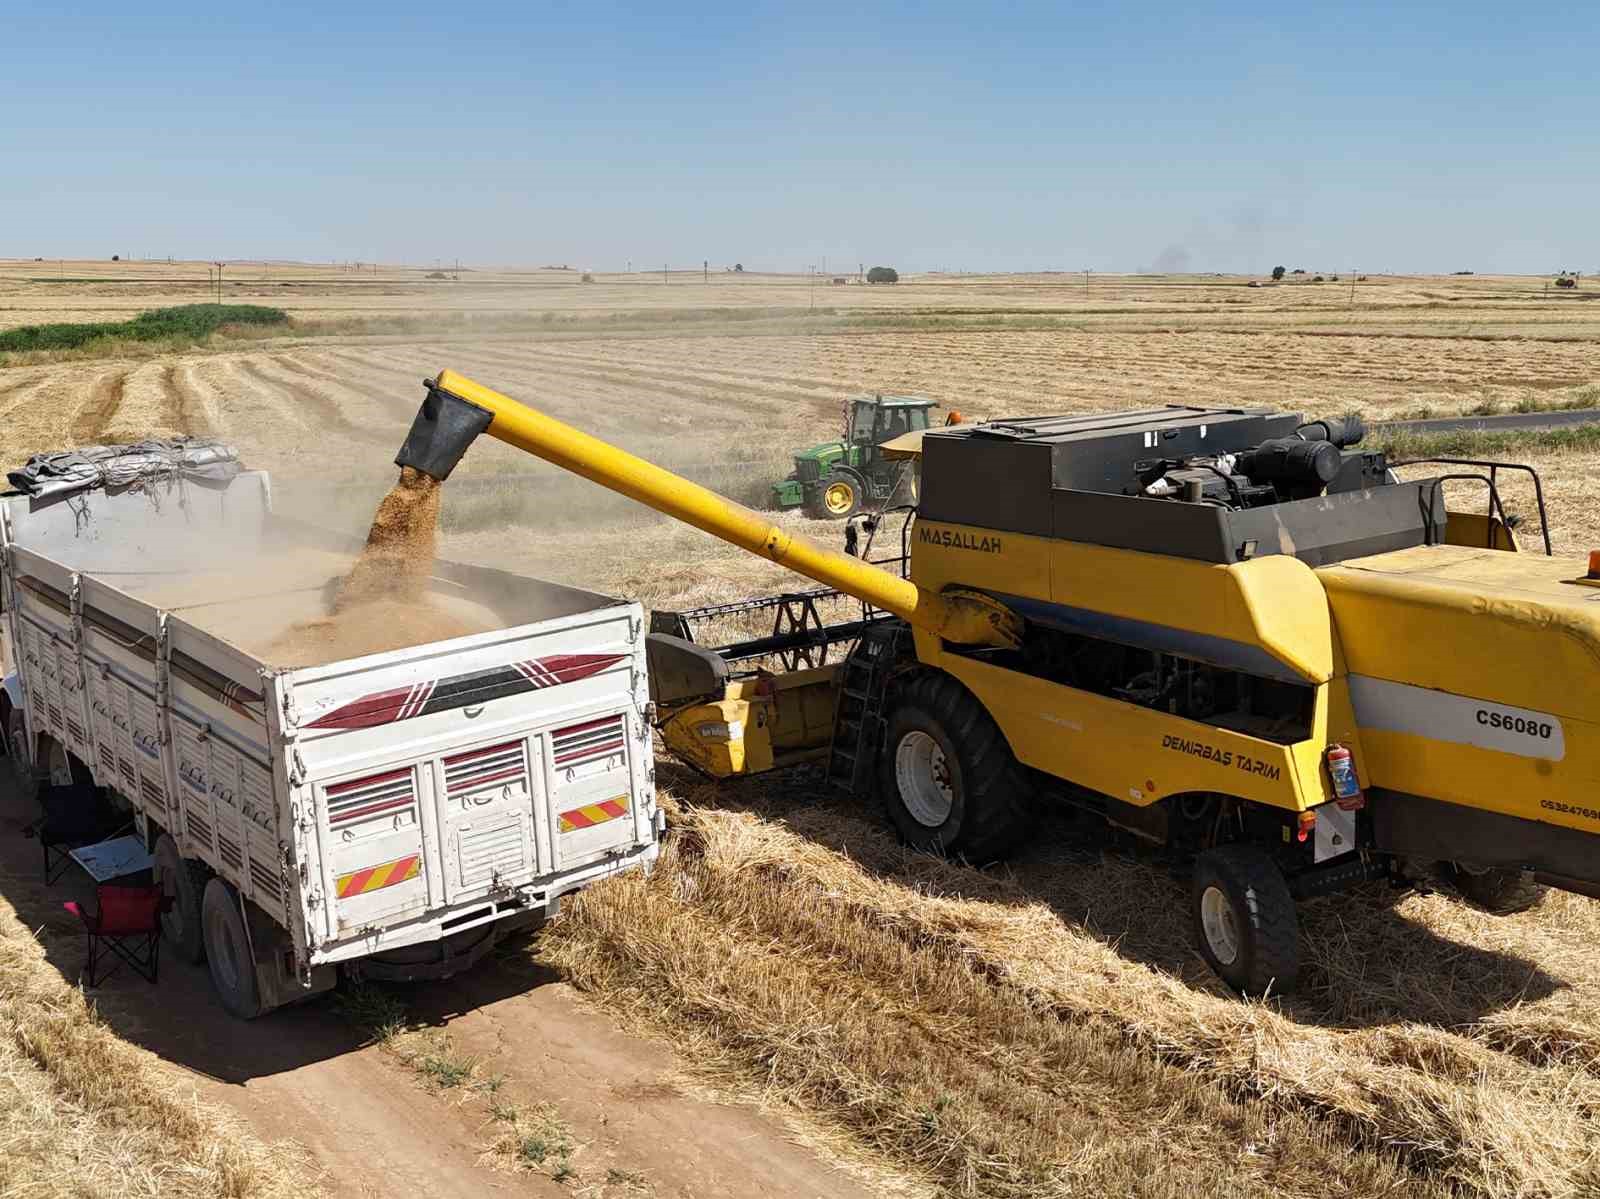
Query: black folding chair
point(128, 923)
point(72, 818)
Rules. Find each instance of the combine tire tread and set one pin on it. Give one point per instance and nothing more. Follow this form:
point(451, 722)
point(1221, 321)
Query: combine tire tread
point(1269, 951)
point(1499, 890)
point(993, 807)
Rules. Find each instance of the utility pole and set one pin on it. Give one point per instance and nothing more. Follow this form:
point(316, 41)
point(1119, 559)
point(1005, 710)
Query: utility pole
point(1352, 288)
point(705, 270)
point(218, 265)
point(663, 274)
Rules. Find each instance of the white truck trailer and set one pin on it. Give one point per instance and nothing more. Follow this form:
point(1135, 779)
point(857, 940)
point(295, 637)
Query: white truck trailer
point(389, 814)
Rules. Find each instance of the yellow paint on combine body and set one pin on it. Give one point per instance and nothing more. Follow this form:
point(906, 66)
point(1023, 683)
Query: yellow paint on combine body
point(1476, 666)
point(759, 724)
point(1130, 752)
point(1275, 603)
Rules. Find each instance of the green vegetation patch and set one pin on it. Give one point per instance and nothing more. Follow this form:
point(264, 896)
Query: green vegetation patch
point(188, 322)
point(1483, 443)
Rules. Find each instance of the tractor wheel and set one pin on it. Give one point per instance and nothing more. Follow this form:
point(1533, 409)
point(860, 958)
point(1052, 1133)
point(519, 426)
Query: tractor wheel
point(233, 968)
point(1497, 889)
point(1244, 919)
point(948, 776)
point(838, 497)
point(183, 882)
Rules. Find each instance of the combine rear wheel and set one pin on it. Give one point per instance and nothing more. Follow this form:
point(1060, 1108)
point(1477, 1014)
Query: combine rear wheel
point(1497, 889)
point(951, 783)
point(1244, 919)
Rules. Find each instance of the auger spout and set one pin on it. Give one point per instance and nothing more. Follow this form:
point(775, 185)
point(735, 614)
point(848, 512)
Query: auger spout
point(457, 409)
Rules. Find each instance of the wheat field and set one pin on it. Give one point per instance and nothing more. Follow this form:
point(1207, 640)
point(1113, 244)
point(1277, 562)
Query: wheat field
point(1040, 1029)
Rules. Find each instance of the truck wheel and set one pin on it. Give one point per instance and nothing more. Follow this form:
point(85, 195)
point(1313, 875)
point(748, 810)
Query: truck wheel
point(838, 497)
point(1498, 889)
point(18, 753)
point(183, 882)
point(951, 782)
point(233, 969)
point(1244, 919)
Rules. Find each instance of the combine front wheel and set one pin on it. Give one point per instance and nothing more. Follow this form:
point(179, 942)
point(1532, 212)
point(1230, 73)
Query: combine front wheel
point(1244, 919)
point(951, 783)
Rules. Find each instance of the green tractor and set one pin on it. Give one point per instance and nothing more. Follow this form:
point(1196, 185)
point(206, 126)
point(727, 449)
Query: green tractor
point(839, 478)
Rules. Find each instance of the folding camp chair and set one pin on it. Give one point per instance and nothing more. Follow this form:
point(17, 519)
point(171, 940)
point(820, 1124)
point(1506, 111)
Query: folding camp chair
point(71, 819)
point(128, 923)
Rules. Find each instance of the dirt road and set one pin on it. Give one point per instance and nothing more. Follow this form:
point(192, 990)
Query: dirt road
point(309, 1075)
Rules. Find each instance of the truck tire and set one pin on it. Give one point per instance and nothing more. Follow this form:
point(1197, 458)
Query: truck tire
point(838, 496)
point(1498, 889)
point(18, 752)
point(184, 882)
point(1244, 919)
point(948, 775)
point(233, 968)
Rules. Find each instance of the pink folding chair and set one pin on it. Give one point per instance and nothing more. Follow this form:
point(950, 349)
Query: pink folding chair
point(128, 923)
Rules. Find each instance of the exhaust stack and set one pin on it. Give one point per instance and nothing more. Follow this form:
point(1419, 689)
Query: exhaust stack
point(456, 410)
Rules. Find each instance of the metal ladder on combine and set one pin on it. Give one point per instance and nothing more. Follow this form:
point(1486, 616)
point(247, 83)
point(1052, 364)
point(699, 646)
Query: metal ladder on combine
point(858, 718)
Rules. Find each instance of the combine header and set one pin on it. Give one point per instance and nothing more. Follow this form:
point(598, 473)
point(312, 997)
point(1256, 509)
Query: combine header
point(1232, 632)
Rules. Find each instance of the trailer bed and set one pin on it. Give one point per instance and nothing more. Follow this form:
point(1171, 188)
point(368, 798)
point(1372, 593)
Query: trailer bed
point(376, 808)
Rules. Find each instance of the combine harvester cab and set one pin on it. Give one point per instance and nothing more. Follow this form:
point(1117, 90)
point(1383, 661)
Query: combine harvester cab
point(389, 814)
point(1233, 633)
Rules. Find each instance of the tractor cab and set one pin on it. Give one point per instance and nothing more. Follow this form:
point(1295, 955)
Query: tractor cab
point(837, 479)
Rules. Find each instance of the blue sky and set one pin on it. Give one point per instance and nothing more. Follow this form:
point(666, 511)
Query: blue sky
point(1408, 137)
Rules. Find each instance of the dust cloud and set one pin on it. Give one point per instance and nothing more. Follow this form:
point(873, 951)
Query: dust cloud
point(381, 604)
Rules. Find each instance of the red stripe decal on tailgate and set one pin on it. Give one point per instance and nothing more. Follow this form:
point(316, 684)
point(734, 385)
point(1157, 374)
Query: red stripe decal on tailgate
point(439, 695)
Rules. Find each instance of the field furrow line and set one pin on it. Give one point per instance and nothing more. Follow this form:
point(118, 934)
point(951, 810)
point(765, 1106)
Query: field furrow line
point(99, 409)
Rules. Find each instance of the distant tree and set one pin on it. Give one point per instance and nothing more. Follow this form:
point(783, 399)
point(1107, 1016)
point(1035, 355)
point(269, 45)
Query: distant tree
point(1278, 273)
point(116, 258)
point(587, 277)
point(883, 274)
point(1567, 281)
point(1299, 270)
point(739, 267)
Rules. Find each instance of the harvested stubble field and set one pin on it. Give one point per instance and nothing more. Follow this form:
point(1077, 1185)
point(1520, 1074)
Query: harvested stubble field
point(1040, 1029)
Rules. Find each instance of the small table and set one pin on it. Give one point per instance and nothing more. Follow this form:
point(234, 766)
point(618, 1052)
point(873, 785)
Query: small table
point(106, 860)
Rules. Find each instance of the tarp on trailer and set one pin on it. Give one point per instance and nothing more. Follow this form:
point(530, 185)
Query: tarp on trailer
point(121, 467)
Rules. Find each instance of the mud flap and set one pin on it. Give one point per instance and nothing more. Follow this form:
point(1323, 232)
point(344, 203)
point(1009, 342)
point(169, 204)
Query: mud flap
point(276, 978)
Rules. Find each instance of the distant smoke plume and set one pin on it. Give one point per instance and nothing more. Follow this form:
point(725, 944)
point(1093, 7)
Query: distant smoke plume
point(1174, 260)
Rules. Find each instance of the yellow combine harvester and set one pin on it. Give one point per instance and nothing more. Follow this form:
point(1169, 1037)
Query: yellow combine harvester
point(1230, 632)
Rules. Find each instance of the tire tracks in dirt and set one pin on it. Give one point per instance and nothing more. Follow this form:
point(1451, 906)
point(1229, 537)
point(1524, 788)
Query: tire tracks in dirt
point(190, 411)
point(95, 415)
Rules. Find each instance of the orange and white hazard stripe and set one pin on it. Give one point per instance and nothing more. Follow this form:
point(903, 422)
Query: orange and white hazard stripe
point(595, 813)
point(375, 878)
